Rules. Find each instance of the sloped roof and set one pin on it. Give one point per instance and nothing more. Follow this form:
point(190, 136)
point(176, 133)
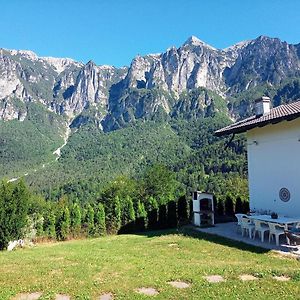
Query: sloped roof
point(280, 113)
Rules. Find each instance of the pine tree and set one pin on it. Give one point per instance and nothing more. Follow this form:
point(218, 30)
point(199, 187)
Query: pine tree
point(100, 226)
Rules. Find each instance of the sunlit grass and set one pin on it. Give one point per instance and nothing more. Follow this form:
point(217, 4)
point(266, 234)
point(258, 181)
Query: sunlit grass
point(85, 269)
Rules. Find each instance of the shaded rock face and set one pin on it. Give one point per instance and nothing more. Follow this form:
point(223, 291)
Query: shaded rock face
point(152, 85)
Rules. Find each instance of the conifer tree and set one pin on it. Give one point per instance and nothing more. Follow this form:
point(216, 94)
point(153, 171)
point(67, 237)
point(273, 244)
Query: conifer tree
point(141, 217)
point(14, 202)
point(65, 223)
point(76, 219)
point(50, 225)
point(128, 211)
point(116, 224)
point(90, 220)
point(152, 214)
point(100, 226)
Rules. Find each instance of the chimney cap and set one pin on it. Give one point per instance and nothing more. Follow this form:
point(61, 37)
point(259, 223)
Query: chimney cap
point(263, 99)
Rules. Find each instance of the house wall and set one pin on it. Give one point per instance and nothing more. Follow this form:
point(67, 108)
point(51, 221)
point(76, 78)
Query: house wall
point(274, 163)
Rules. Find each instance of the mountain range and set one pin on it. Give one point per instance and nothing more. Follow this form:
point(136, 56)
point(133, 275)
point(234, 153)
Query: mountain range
point(43, 100)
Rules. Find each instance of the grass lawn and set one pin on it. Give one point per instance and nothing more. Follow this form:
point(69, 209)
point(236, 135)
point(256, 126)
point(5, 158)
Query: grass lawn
point(85, 269)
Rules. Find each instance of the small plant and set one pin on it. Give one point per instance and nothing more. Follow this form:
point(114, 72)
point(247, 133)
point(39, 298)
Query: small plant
point(274, 215)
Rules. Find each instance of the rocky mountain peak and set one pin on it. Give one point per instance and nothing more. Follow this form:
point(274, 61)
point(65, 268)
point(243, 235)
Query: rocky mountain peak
point(194, 41)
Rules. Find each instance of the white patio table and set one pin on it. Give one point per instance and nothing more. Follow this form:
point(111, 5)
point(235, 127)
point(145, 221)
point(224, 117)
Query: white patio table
point(285, 221)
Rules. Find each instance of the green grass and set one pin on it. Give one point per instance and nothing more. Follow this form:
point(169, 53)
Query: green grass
point(85, 269)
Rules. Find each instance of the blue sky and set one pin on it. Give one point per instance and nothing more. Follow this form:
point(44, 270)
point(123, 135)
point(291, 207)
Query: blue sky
point(114, 31)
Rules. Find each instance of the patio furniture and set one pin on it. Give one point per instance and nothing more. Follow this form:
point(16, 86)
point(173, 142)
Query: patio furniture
point(239, 220)
point(260, 228)
point(247, 226)
point(276, 230)
point(293, 237)
point(285, 221)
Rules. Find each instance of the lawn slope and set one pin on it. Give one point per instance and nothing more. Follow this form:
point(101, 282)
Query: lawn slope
point(120, 264)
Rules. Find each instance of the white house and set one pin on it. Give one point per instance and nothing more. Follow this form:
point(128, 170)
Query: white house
point(273, 146)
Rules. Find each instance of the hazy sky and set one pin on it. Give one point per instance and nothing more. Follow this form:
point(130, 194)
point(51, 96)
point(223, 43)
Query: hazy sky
point(114, 31)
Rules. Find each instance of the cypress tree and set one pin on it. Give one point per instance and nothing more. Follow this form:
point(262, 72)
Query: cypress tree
point(162, 216)
point(50, 225)
point(182, 208)
point(128, 211)
point(100, 226)
point(117, 214)
point(229, 206)
point(172, 215)
point(14, 202)
point(246, 207)
point(39, 224)
point(152, 214)
point(65, 223)
point(76, 219)
point(220, 208)
point(90, 220)
point(141, 217)
point(238, 205)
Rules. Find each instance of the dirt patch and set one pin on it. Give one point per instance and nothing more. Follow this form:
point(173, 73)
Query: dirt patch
point(179, 284)
point(108, 296)
point(214, 278)
point(282, 278)
point(247, 277)
point(28, 296)
point(62, 297)
point(147, 291)
point(173, 245)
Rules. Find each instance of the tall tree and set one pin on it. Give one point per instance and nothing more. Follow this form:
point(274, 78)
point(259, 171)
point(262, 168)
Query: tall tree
point(100, 226)
point(14, 202)
point(90, 220)
point(75, 219)
point(64, 223)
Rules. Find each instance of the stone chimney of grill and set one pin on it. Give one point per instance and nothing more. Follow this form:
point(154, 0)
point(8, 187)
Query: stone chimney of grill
point(262, 106)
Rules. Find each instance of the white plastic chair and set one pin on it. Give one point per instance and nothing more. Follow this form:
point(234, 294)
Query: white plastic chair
point(276, 230)
point(247, 226)
point(260, 228)
point(239, 220)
